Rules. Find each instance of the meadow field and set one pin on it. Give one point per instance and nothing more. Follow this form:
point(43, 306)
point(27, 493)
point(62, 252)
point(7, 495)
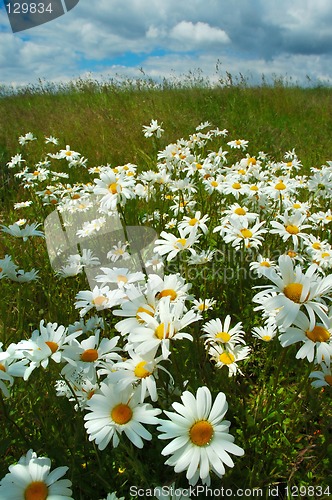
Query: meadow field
point(165, 271)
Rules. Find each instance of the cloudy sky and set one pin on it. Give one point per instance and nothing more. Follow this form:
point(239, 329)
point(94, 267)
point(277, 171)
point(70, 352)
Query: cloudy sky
point(167, 38)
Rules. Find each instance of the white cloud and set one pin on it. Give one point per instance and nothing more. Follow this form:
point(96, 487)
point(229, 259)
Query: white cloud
point(255, 36)
point(198, 35)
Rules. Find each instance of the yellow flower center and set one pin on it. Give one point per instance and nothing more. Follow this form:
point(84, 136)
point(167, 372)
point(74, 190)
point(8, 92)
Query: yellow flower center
point(238, 142)
point(193, 221)
point(52, 345)
point(214, 184)
point(316, 245)
point(2, 368)
point(252, 161)
point(291, 254)
point(89, 355)
point(246, 233)
point(265, 263)
point(293, 292)
point(325, 254)
point(254, 187)
point(328, 379)
point(328, 217)
point(236, 185)
point(76, 196)
point(168, 292)
point(142, 309)
point(242, 171)
point(227, 358)
point(240, 211)
point(296, 205)
point(121, 278)
point(180, 241)
point(121, 414)
point(36, 173)
point(140, 370)
point(223, 336)
point(98, 301)
point(280, 186)
point(203, 306)
point(266, 338)
point(113, 188)
point(318, 334)
point(162, 332)
point(198, 166)
point(201, 433)
point(291, 229)
point(37, 490)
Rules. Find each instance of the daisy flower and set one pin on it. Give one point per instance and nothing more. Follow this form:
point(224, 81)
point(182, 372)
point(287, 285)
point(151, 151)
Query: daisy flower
point(172, 245)
point(261, 265)
point(118, 252)
point(45, 344)
point(89, 355)
point(119, 276)
point(114, 188)
point(76, 388)
point(15, 160)
point(32, 479)
point(265, 333)
point(201, 258)
point(291, 227)
point(279, 187)
point(25, 233)
point(113, 411)
point(316, 341)
point(239, 233)
point(68, 154)
point(140, 371)
point(23, 139)
point(238, 144)
point(292, 290)
point(188, 223)
point(236, 211)
point(202, 305)
point(231, 185)
point(22, 204)
point(171, 285)
point(217, 332)
point(323, 377)
point(51, 140)
point(136, 302)
point(10, 367)
point(100, 298)
point(153, 129)
point(200, 439)
point(228, 356)
point(164, 327)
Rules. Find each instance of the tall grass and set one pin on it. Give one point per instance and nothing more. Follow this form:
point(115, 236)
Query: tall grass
point(105, 120)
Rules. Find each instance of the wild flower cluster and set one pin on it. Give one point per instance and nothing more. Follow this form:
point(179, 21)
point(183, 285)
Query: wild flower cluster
point(126, 363)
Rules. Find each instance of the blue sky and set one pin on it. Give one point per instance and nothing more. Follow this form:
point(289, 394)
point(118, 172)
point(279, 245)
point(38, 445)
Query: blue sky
point(109, 38)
